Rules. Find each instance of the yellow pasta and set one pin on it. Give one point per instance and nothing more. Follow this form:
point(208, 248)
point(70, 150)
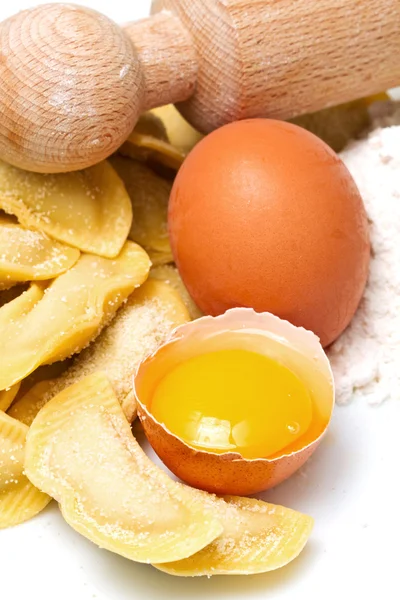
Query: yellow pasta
point(27, 255)
point(74, 329)
point(19, 499)
point(146, 319)
point(7, 396)
point(180, 133)
point(149, 123)
point(81, 451)
point(149, 142)
point(87, 209)
point(42, 373)
point(149, 194)
point(258, 537)
point(6, 295)
point(160, 258)
point(108, 490)
point(170, 274)
point(64, 318)
point(337, 125)
point(19, 307)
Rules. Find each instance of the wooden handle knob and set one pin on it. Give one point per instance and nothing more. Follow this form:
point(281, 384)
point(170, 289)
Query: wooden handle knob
point(70, 88)
point(73, 83)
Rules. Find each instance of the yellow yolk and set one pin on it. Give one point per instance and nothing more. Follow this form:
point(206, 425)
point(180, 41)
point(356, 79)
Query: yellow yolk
point(233, 401)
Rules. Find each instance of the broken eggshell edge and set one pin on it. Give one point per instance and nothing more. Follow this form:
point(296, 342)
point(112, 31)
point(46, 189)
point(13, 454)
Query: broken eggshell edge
point(230, 473)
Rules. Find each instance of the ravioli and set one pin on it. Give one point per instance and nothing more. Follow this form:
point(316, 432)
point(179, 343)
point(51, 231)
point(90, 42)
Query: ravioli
point(146, 319)
point(149, 142)
point(19, 499)
point(45, 326)
point(7, 396)
point(89, 209)
point(170, 274)
point(180, 133)
point(29, 255)
point(149, 195)
point(81, 451)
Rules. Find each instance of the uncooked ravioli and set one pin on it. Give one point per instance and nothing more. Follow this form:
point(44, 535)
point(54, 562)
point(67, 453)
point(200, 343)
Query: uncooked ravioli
point(170, 274)
point(87, 209)
point(44, 326)
point(81, 450)
point(180, 133)
point(19, 499)
point(108, 489)
point(28, 255)
point(7, 396)
point(148, 316)
point(149, 143)
point(149, 195)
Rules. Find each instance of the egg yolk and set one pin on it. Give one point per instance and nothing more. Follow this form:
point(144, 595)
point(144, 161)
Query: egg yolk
point(233, 401)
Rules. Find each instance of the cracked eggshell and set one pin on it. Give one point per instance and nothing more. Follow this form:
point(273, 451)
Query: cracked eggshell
point(230, 473)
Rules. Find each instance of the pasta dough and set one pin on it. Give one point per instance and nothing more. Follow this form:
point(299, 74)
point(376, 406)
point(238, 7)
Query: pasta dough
point(81, 450)
point(170, 274)
point(149, 195)
point(146, 319)
point(7, 396)
point(28, 255)
point(87, 209)
point(19, 499)
point(149, 142)
point(42, 327)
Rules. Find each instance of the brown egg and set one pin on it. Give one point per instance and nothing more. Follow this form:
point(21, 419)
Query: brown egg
point(264, 334)
point(263, 214)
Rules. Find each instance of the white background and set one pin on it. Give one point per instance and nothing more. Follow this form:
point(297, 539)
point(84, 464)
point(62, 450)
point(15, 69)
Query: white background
point(349, 486)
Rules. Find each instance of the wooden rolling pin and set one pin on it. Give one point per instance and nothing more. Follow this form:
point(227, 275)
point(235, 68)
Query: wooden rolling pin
point(73, 83)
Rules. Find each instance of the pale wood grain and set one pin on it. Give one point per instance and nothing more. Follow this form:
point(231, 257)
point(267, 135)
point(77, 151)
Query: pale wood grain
point(282, 58)
point(168, 59)
point(73, 83)
point(70, 84)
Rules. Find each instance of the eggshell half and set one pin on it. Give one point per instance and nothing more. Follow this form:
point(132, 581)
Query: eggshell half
point(230, 473)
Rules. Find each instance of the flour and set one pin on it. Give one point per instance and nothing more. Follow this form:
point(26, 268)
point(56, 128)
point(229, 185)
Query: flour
point(366, 358)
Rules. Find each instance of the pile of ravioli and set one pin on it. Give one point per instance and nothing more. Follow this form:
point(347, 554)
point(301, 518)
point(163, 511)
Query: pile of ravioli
point(88, 288)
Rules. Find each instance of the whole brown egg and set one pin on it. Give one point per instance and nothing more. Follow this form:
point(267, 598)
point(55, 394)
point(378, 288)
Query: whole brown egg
point(263, 214)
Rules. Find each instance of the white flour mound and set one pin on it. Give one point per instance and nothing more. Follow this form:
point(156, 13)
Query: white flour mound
point(366, 358)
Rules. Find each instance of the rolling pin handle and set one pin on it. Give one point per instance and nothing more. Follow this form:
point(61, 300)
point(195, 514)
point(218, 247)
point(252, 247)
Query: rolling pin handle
point(167, 56)
point(73, 83)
